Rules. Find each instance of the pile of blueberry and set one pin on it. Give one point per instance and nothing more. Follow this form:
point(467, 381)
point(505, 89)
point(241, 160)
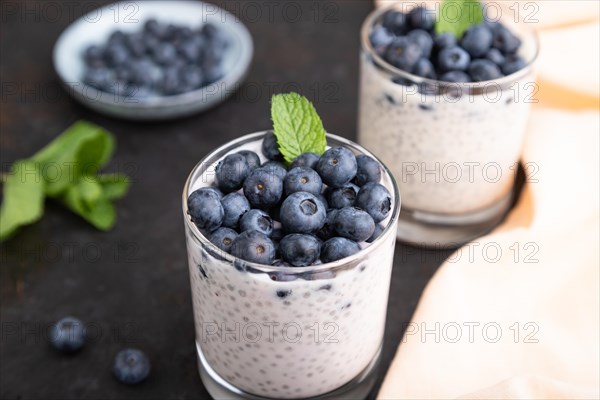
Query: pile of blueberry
point(159, 60)
point(68, 335)
point(318, 210)
point(407, 41)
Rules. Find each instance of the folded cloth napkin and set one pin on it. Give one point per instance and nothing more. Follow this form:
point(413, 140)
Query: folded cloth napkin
point(516, 314)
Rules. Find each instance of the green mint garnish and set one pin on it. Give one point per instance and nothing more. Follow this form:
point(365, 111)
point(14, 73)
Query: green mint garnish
point(456, 16)
point(65, 170)
point(297, 126)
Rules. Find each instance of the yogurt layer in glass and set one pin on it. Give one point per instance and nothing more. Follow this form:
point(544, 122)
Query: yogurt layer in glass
point(453, 148)
point(288, 332)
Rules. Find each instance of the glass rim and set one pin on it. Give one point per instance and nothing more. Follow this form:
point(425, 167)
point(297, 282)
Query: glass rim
point(211, 157)
point(382, 64)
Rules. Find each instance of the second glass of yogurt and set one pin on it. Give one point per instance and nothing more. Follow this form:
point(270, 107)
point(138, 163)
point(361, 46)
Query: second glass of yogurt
point(282, 332)
point(454, 148)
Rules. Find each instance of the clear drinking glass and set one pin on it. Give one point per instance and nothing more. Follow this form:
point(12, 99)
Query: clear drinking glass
point(453, 148)
point(266, 332)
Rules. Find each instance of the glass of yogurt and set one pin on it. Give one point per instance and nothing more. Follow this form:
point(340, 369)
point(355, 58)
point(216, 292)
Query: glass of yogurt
point(283, 332)
point(453, 147)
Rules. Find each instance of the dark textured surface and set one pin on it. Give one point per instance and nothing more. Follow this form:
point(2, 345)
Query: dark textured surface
point(131, 285)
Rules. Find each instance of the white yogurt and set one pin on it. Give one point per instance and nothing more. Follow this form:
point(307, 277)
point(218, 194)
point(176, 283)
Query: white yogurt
point(293, 339)
point(449, 155)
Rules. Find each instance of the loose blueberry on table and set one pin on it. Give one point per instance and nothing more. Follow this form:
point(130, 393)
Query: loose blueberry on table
point(484, 52)
point(327, 205)
point(160, 60)
point(67, 335)
point(131, 366)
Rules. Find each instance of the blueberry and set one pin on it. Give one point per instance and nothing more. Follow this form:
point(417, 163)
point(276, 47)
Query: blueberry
point(367, 170)
point(505, 41)
point(453, 58)
point(423, 39)
point(263, 188)
point(337, 248)
point(302, 179)
point(395, 22)
point(424, 68)
point(131, 366)
point(337, 166)
point(513, 64)
point(155, 28)
point(354, 224)
point(117, 37)
point(380, 39)
point(484, 70)
point(344, 196)
point(327, 231)
point(252, 158)
point(215, 191)
point(254, 246)
point(122, 73)
point(376, 233)
point(456, 77)
point(256, 220)
point(302, 212)
point(223, 238)
point(477, 40)
point(93, 56)
point(323, 200)
point(164, 53)
point(213, 71)
point(116, 54)
point(308, 160)
point(495, 56)
point(275, 167)
point(151, 43)
point(231, 172)
point(375, 199)
point(144, 72)
point(209, 30)
point(192, 78)
point(67, 335)
point(100, 78)
point(171, 81)
point(444, 40)
point(191, 49)
point(205, 210)
point(421, 18)
point(270, 148)
point(234, 206)
point(135, 44)
point(403, 53)
point(300, 250)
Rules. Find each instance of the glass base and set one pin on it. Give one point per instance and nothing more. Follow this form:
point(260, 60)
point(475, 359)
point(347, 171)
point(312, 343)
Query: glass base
point(443, 231)
point(219, 388)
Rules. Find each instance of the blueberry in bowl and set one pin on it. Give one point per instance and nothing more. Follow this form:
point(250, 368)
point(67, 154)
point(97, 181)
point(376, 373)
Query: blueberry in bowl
point(170, 59)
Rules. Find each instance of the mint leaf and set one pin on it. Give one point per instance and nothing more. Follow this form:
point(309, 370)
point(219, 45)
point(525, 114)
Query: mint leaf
point(297, 126)
point(23, 201)
point(83, 148)
point(114, 186)
point(101, 213)
point(456, 16)
point(66, 170)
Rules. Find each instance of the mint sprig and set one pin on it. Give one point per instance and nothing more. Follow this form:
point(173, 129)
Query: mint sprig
point(65, 170)
point(456, 16)
point(297, 126)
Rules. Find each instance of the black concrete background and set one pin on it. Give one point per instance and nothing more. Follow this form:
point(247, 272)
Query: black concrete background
point(131, 285)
